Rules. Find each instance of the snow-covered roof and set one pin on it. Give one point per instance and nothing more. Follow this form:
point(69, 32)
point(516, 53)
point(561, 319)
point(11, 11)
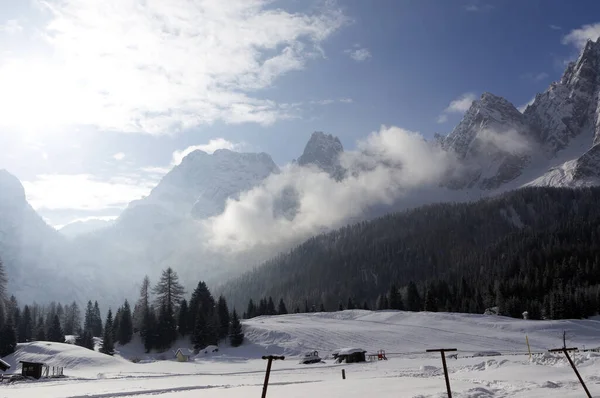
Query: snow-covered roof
point(184, 351)
point(4, 365)
point(348, 351)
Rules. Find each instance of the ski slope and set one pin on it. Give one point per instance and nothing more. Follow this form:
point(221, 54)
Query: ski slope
point(409, 372)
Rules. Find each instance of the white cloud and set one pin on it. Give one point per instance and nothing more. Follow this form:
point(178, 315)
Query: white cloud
point(119, 156)
point(84, 191)
point(346, 100)
point(524, 106)
point(211, 147)
point(578, 37)
point(161, 66)
point(459, 105)
point(443, 118)
point(359, 54)
point(331, 101)
point(86, 219)
point(555, 27)
point(11, 27)
point(387, 165)
point(508, 141)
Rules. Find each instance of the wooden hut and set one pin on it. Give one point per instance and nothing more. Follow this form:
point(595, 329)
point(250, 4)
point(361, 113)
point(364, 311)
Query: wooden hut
point(182, 354)
point(350, 355)
point(32, 369)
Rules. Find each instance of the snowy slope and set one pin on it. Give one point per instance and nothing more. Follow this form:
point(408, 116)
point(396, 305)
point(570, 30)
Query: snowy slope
point(412, 332)
point(229, 374)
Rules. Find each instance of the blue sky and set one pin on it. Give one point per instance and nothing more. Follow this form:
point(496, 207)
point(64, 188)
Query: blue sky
point(97, 98)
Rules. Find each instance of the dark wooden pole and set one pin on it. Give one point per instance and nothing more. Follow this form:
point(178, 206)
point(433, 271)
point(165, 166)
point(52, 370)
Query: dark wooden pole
point(269, 359)
point(443, 351)
point(344, 374)
point(566, 352)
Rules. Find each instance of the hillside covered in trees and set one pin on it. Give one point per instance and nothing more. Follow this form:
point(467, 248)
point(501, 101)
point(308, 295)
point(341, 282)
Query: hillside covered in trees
point(535, 250)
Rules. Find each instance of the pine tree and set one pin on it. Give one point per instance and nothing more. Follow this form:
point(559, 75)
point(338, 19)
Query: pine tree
point(26, 326)
point(282, 310)
point(236, 336)
point(8, 339)
point(430, 301)
point(306, 310)
point(200, 331)
point(125, 329)
point(117, 324)
point(251, 311)
point(72, 321)
point(322, 308)
point(394, 302)
point(271, 307)
point(168, 290)
point(96, 321)
point(40, 330)
point(351, 305)
point(166, 333)
point(341, 307)
point(142, 305)
point(3, 290)
point(182, 319)
point(85, 339)
point(88, 323)
point(108, 346)
point(55, 332)
point(148, 331)
point(365, 306)
point(224, 318)
point(413, 299)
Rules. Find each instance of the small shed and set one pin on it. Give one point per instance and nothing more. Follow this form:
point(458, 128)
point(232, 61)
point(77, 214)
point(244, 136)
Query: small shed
point(350, 355)
point(32, 369)
point(182, 354)
point(4, 366)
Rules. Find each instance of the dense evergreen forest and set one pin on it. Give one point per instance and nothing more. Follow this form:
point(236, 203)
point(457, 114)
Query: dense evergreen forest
point(534, 250)
point(160, 316)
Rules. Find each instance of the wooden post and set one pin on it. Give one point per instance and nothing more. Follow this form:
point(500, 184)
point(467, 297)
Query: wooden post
point(566, 350)
point(442, 351)
point(343, 374)
point(269, 359)
point(528, 347)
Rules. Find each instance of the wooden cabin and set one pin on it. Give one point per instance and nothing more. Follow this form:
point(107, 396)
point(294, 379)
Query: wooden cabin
point(32, 369)
point(350, 355)
point(182, 354)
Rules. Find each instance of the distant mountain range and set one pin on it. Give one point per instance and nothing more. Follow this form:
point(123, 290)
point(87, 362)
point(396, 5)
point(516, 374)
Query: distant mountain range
point(554, 142)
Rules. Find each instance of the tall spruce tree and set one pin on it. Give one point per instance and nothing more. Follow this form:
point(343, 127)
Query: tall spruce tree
point(182, 319)
point(26, 326)
point(125, 330)
point(40, 330)
point(55, 332)
point(236, 336)
point(85, 339)
point(271, 307)
point(166, 333)
point(199, 339)
point(96, 321)
point(108, 346)
point(88, 322)
point(282, 310)
point(223, 316)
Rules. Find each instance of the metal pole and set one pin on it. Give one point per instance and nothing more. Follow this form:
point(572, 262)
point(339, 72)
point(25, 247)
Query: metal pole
point(442, 351)
point(269, 359)
point(446, 374)
point(566, 351)
point(264, 392)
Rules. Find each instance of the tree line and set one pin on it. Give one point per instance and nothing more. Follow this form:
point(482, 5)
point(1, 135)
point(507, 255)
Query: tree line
point(159, 320)
point(533, 250)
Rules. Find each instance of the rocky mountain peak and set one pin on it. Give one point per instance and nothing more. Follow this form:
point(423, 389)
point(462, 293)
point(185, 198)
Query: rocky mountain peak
point(322, 150)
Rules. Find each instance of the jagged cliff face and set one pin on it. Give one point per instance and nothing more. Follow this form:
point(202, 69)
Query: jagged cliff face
point(492, 141)
point(499, 145)
point(323, 150)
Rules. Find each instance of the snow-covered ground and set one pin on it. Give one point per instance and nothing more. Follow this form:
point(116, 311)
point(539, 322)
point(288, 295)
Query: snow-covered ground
point(409, 372)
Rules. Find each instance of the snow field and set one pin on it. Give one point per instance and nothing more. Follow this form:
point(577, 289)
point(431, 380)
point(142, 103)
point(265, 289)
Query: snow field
point(409, 372)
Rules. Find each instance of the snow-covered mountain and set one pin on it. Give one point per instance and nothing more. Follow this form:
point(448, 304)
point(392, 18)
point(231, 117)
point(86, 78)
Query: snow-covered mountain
point(554, 142)
point(202, 182)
